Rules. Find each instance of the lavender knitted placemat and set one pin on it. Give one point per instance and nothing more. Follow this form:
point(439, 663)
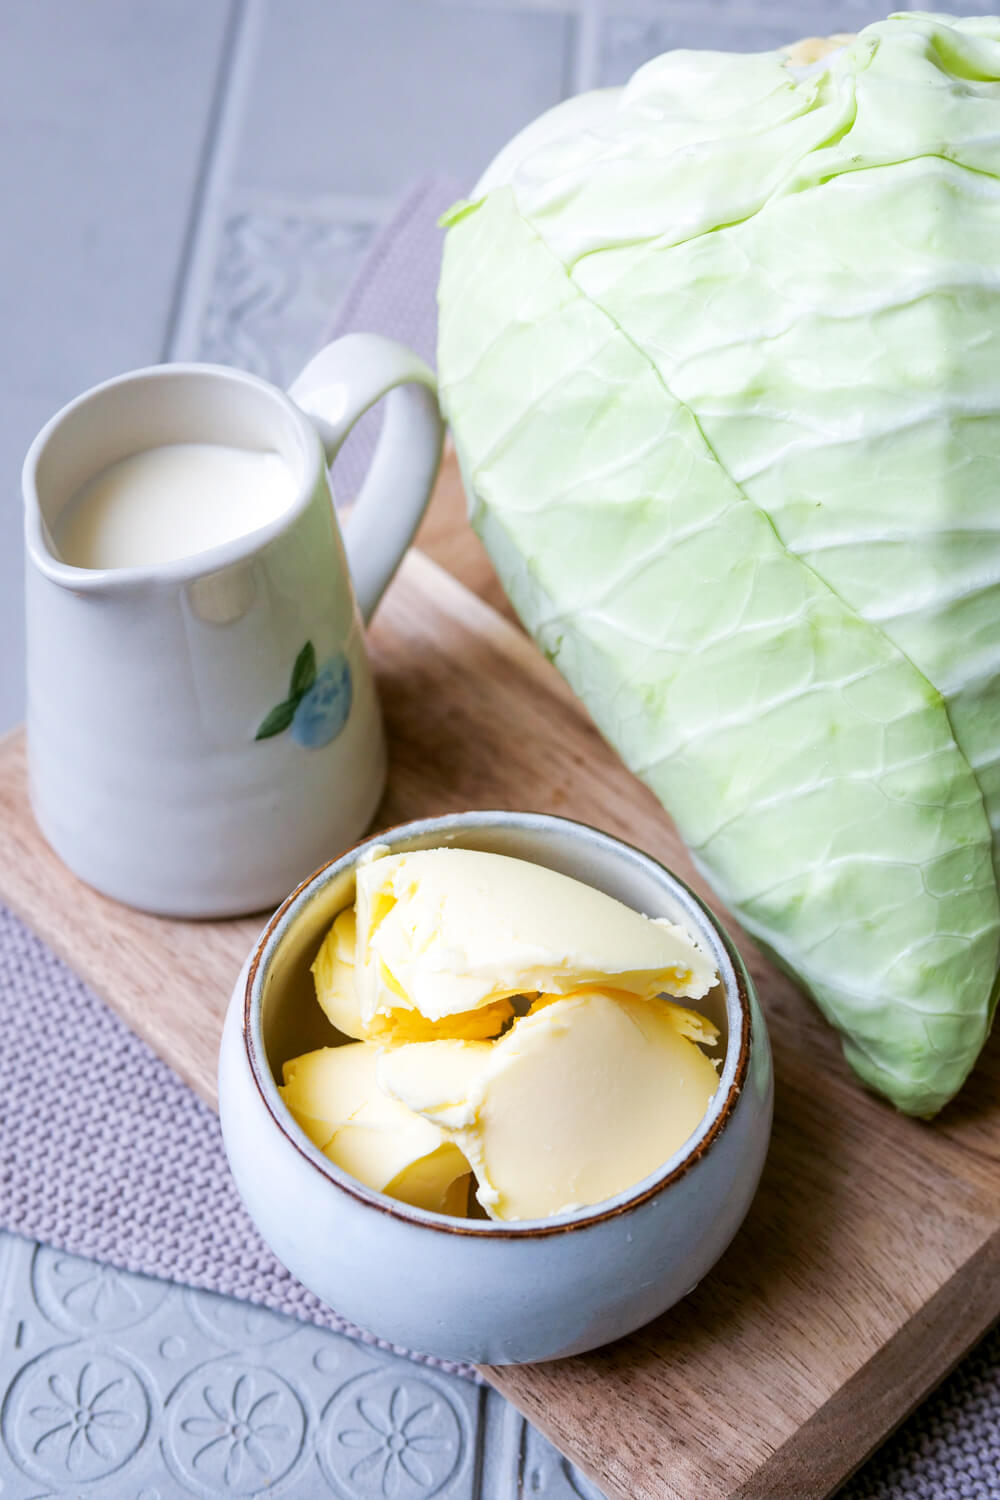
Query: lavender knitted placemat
point(105, 1153)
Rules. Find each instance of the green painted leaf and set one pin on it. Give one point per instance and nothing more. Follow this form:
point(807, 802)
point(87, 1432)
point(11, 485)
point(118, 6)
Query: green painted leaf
point(303, 672)
point(277, 720)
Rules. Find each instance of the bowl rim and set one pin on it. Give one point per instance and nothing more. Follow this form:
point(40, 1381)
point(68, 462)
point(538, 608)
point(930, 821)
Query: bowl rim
point(720, 1110)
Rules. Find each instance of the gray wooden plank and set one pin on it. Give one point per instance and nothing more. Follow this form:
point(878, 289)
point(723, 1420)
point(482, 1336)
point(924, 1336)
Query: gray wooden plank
point(104, 112)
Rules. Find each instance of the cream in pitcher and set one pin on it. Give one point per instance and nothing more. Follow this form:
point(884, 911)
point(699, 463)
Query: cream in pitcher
point(172, 501)
point(203, 726)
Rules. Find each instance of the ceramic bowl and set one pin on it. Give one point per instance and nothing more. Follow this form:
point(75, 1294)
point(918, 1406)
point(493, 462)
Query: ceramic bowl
point(467, 1289)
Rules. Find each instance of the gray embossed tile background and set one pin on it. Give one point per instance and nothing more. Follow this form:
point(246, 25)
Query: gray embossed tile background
point(205, 178)
point(121, 1386)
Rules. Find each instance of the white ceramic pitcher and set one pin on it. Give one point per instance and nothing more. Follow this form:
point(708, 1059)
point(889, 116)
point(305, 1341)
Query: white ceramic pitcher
point(204, 733)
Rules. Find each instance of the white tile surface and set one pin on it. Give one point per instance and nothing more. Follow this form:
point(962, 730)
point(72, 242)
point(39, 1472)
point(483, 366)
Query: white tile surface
point(281, 269)
point(630, 32)
point(363, 98)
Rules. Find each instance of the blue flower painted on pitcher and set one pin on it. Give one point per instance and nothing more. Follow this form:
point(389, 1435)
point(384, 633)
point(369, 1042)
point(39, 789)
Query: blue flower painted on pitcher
point(322, 712)
point(318, 703)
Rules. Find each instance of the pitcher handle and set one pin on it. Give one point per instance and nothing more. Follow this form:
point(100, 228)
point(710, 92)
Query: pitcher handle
point(334, 390)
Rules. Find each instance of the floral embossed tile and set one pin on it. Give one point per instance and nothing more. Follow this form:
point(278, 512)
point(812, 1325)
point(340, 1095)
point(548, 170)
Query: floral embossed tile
point(126, 1388)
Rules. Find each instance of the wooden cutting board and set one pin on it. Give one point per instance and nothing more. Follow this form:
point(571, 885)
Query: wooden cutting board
point(871, 1258)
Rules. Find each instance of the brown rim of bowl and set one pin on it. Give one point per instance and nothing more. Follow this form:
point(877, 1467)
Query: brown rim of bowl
point(494, 1230)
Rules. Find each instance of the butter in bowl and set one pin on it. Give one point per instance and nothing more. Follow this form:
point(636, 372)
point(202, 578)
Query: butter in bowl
point(496, 1087)
point(511, 1024)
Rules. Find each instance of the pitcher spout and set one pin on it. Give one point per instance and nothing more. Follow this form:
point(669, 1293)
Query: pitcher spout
point(155, 420)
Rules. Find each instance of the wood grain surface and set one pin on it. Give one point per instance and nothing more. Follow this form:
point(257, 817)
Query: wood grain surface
point(871, 1258)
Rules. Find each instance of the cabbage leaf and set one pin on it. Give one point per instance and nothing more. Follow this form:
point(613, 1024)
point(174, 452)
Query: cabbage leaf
point(721, 356)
